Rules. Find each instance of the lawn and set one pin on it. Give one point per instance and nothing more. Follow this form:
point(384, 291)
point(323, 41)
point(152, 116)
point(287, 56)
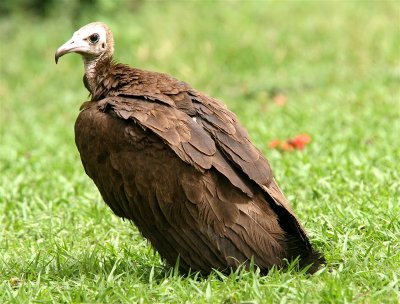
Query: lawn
point(337, 64)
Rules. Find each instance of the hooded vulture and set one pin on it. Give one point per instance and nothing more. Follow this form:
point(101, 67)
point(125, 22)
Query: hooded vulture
point(178, 164)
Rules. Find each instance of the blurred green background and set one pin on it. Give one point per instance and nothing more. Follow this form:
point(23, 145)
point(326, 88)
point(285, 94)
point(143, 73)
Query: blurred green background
point(337, 66)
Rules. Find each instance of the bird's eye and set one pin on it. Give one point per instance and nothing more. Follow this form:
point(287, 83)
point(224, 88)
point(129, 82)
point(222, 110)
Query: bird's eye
point(94, 38)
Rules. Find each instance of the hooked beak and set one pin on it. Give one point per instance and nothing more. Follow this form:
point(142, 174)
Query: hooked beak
point(71, 46)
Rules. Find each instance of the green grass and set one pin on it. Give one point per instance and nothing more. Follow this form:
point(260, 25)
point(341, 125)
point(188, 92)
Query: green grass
point(338, 63)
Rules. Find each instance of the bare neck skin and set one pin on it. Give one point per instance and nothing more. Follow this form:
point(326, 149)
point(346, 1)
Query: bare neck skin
point(95, 67)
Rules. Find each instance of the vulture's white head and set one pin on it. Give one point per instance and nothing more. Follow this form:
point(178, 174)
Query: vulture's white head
point(93, 41)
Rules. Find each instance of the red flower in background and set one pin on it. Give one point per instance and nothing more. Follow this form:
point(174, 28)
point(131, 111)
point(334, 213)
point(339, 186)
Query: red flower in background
point(280, 99)
point(296, 143)
point(274, 144)
point(300, 141)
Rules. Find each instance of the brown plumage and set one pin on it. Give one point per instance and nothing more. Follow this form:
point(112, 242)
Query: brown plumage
point(178, 164)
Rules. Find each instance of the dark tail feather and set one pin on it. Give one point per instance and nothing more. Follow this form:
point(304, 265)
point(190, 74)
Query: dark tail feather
point(313, 260)
point(307, 256)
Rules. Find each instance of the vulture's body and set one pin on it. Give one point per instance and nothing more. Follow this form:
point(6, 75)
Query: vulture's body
point(178, 164)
